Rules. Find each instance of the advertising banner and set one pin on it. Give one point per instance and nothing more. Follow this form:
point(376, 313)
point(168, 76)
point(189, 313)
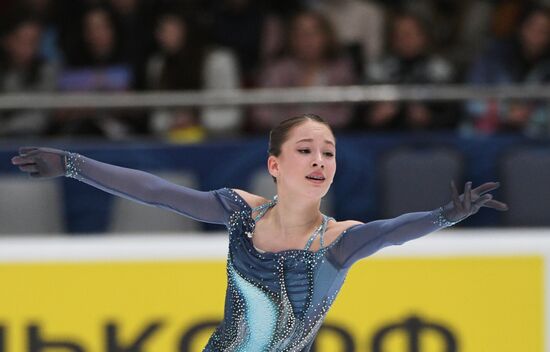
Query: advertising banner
point(454, 291)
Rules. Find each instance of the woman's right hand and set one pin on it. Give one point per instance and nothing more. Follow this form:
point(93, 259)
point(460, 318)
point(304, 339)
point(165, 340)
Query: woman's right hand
point(41, 162)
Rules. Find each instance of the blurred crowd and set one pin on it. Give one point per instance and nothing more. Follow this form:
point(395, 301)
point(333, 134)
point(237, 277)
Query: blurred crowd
point(138, 45)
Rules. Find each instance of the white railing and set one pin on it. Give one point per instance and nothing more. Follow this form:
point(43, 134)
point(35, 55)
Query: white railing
point(349, 94)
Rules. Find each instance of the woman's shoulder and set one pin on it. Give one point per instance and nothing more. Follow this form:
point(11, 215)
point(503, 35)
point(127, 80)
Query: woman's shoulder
point(251, 199)
point(335, 229)
point(340, 226)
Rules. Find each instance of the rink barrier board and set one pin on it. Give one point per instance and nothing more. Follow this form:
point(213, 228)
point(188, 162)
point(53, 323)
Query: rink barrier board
point(487, 290)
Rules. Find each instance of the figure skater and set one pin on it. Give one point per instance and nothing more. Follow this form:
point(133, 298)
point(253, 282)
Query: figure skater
point(286, 261)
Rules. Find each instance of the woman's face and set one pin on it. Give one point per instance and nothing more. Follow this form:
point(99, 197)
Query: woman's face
point(535, 34)
point(171, 34)
point(408, 38)
point(310, 150)
point(22, 44)
point(99, 32)
point(308, 41)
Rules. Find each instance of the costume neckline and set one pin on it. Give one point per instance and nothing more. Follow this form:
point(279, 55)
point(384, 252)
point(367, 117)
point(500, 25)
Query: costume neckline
point(319, 230)
point(249, 242)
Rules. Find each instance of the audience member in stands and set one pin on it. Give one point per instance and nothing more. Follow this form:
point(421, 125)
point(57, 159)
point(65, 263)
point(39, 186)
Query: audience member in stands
point(410, 60)
point(451, 22)
point(100, 45)
point(249, 29)
point(99, 66)
point(135, 22)
point(359, 26)
point(524, 58)
point(458, 29)
point(312, 58)
point(69, 15)
point(23, 70)
point(185, 62)
point(507, 16)
point(46, 11)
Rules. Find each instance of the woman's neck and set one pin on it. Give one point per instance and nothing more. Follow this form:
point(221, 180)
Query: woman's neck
point(294, 217)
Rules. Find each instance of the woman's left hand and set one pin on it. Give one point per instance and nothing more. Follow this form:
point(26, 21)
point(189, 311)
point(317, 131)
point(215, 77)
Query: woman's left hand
point(471, 201)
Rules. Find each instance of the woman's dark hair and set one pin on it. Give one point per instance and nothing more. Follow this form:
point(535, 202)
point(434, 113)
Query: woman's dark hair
point(423, 24)
point(183, 69)
point(83, 54)
point(531, 10)
point(528, 13)
point(279, 134)
point(31, 74)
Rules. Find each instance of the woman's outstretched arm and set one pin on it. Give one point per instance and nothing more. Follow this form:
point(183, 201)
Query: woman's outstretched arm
point(132, 184)
point(362, 240)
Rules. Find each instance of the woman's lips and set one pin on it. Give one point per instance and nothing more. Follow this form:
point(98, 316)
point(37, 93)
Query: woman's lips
point(314, 180)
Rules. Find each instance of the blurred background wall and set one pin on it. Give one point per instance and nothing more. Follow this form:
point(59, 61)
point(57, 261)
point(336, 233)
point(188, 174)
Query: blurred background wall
point(477, 111)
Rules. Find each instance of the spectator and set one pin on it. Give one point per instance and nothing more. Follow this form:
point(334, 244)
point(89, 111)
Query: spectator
point(99, 66)
point(100, 40)
point(507, 15)
point(250, 30)
point(184, 62)
point(313, 58)
point(457, 28)
point(135, 25)
point(359, 26)
point(68, 20)
point(524, 58)
point(410, 60)
point(46, 12)
point(23, 70)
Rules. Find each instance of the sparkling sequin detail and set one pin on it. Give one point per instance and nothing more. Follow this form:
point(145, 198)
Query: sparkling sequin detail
point(441, 220)
point(73, 165)
point(262, 209)
point(263, 318)
point(275, 301)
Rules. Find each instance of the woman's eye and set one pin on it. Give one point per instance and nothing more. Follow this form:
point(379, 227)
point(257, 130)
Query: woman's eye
point(329, 154)
point(303, 150)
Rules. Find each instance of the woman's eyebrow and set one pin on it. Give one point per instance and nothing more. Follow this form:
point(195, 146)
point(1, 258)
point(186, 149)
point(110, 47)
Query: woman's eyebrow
point(311, 140)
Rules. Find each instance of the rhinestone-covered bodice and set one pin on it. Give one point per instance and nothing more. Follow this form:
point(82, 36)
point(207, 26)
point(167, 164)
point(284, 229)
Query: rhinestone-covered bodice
point(275, 301)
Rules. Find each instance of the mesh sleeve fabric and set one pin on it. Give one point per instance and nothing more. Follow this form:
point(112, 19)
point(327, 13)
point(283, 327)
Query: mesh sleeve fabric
point(362, 240)
point(207, 206)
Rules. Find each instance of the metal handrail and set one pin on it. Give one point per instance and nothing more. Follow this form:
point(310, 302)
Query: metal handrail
point(241, 97)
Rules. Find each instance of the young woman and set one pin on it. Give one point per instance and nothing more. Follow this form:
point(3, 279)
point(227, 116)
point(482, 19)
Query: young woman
point(312, 57)
point(287, 261)
point(184, 62)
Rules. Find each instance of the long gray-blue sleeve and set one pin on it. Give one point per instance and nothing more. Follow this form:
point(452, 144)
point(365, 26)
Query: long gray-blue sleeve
point(362, 240)
point(146, 188)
